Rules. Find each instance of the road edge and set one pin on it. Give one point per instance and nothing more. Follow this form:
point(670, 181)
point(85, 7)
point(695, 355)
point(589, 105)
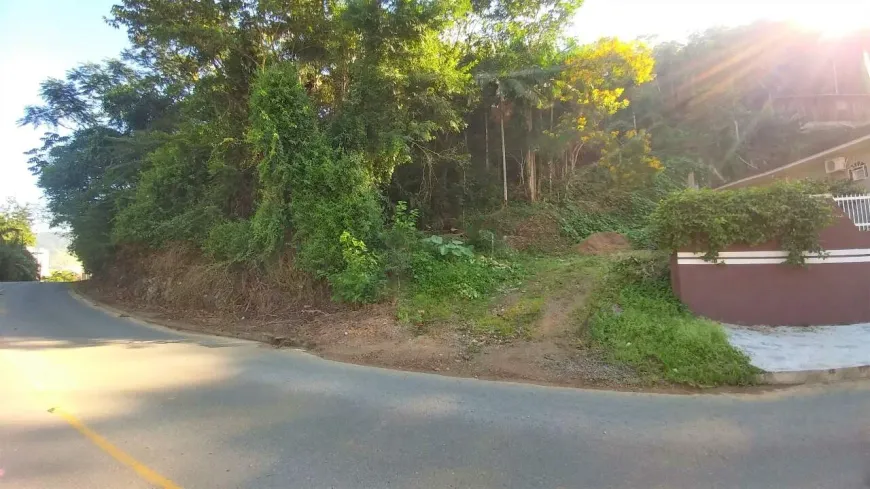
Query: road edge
point(163, 326)
point(826, 376)
point(769, 379)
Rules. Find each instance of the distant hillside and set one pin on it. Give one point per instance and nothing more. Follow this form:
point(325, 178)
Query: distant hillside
point(59, 257)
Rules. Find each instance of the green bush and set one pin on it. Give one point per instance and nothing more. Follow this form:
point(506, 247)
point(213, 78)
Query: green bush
point(487, 241)
point(634, 315)
point(595, 203)
point(319, 197)
point(361, 280)
point(16, 263)
point(578, 224)
point(229, 241)
point(16, 233)
point(709, 221)
point(833, 186)
point(401, 240)
point(167, 202)
point(444, 283)
point(466, 278)
point(62, 276)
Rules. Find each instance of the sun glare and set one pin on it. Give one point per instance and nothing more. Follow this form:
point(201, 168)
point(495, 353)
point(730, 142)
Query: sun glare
point(832, 20)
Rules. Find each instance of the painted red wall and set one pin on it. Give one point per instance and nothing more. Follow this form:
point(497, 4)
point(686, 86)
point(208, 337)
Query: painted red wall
point(779, 294)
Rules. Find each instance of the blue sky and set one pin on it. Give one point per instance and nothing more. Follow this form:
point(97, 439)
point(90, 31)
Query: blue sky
point(39, 39)
point(43, 38)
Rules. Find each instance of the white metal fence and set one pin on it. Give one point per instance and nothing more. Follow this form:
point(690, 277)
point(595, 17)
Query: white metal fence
point(857, 207)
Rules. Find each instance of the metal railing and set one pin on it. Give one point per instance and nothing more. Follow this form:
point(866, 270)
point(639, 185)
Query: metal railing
point(857, 207)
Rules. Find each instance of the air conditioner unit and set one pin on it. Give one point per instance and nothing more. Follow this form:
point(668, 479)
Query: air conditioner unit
point(835, 164)
point(859, 173)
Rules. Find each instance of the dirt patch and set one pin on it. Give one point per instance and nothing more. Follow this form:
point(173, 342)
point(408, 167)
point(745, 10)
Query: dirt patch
point(603, 244)
point(280, 307)
point(371, 336)
point(180, 278)
point(539, 232)
point(556, 320)
point(559, 365)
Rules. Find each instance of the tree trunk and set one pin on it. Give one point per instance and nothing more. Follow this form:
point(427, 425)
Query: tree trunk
point(486, 136)
point(550, 154)
point(522, 172)
point(503, 153)
point(533, 175)
point(565, 172)
point(552, 170)
point(574, 155)
point(530, 158)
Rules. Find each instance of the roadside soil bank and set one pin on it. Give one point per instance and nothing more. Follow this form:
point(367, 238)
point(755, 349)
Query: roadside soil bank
point(534, 363)
point(371, 335)
point(529, 329)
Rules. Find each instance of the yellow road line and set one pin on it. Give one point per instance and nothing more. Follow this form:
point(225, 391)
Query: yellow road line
point(115, 452)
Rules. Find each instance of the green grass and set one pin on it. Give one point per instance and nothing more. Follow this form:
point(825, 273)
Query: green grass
point(505, 303)
point(444, 289)
point(637, 319)
point(629, 311)
point(516, 320)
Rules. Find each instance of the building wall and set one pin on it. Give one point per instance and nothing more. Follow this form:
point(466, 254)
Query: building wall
point(753, 287)
point(41, 256)
point(816, 170)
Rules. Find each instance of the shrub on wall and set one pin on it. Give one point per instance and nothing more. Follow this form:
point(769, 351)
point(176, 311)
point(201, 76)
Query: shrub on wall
point(791, 214)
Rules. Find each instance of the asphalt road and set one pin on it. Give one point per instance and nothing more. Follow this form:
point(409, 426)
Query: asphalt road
point(138, 407)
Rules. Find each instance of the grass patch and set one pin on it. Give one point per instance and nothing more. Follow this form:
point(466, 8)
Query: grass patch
point(629, 311)
point(516, 321)
point(500, 303)
point(444, 289)
point(634, 315)
point(563, 275)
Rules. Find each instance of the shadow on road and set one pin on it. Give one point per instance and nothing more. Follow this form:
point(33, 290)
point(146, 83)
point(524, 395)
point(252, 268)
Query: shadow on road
point(245, 416)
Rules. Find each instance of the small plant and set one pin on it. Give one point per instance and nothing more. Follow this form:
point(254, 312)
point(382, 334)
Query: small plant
point(486, 241)
point(488, 237)
point(362, 279)
point(452, 248)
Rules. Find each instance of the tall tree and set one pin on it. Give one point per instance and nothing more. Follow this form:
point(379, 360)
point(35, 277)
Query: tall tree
point(16, 233)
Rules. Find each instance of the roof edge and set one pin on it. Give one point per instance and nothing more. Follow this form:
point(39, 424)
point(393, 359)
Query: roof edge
point(801, 161)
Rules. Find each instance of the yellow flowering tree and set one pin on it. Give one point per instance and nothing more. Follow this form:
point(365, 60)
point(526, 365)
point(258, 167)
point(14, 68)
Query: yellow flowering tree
point(628, 157)
point(592, 88)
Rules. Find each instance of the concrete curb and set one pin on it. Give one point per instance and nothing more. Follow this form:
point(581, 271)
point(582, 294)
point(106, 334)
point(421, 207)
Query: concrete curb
point(797, 377)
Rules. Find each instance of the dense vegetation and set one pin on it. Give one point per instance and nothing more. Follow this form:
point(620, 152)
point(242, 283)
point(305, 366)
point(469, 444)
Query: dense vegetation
point(259, 132)
point(710, 221)
point(16, 263)
point(61, 276)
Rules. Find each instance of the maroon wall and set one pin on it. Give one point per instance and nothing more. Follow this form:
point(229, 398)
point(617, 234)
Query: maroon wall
point(780, 294)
